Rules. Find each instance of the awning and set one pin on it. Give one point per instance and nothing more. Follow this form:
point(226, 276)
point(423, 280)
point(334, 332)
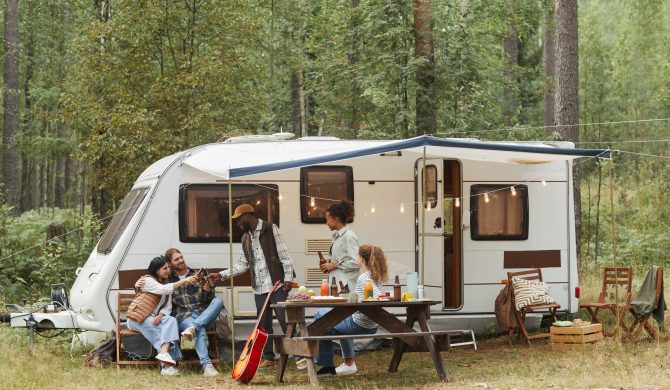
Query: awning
point(230, 160)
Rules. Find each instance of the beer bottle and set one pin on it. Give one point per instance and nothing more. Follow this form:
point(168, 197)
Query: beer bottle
point(343, 288)
point(322, 260)
point(396, 289)
point(333, 288)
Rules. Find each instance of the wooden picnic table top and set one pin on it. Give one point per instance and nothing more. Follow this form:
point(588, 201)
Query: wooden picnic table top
point(357, 304)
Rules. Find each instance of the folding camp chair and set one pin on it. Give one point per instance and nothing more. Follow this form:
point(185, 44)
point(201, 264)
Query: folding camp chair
point(617, 281)
point(641, 321)
point(520, 315)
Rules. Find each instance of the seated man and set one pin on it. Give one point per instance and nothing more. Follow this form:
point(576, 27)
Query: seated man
point(194, 306)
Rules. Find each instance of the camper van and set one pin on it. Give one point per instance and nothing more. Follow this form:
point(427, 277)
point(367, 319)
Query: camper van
point(459, 212)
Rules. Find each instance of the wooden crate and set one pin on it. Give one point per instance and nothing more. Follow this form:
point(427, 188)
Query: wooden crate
point(567, 337)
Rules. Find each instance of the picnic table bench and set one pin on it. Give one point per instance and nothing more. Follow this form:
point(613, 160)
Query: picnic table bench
point(301, 339)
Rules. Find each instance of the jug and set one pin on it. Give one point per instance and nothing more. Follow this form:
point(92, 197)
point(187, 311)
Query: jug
point(412, 283)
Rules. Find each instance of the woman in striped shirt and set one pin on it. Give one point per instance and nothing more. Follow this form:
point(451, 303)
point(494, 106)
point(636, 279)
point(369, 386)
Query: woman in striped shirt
point(373, 268)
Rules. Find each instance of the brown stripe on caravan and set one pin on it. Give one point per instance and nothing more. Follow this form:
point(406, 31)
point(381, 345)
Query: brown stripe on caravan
point(127, 278)
point(532, 259)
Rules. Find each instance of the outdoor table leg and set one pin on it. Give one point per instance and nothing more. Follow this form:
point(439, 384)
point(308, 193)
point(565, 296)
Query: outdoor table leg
point(283, 358)
point(432, 345)
point(311, 369)
point(400, 346)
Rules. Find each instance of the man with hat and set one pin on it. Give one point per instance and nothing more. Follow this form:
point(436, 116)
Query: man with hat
point(264, 253)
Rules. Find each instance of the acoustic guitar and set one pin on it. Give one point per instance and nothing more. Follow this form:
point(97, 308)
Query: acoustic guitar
point(247, 364)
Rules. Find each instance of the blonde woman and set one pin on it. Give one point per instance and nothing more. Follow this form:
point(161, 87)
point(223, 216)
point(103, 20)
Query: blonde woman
point(372, 262)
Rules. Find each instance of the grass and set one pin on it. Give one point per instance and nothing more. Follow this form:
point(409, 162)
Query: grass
point(613, 363)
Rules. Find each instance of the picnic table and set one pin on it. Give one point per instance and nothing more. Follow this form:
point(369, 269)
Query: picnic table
point(301, 338)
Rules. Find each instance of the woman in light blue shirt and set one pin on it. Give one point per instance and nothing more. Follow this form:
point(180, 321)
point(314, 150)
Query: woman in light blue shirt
point(344, 251)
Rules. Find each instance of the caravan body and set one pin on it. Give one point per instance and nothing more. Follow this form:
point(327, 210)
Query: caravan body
point(483, 209)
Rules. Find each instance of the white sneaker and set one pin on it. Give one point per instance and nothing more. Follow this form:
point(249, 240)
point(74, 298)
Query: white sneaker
point(344, 369)
point(189, 332)
point(169, 371)
point(210, 370)
point(301, 364)
point(165, 358)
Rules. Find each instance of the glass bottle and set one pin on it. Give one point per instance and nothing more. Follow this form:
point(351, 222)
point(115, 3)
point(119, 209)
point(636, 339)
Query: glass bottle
point(322, 260)
point(324, 288)
point(396, 289)
point(344, 289)
point(368, 292)
point(333, 288)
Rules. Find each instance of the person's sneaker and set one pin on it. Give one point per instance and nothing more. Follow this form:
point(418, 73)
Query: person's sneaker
point(326, 371)
point(344, 369)
point(169, 371)
point(266, 363)
point(189, 333)
point(301, 364)
point(210, 370)
point(165, 358)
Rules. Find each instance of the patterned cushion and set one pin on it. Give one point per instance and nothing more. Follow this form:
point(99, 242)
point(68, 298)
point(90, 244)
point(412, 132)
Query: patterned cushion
point(531, 292)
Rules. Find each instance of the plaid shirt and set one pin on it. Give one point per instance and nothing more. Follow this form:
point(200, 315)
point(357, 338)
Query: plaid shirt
point(190, 299)
point(261, 272)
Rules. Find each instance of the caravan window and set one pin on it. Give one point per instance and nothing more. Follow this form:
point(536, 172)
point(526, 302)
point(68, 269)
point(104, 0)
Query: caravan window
point(203, 209)
point(121, 219)
point(321, 187)
point(498, 213)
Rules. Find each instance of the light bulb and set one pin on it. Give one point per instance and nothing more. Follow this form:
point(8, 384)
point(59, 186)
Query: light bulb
point(513, 191)
point(457, 202)
point(402, 207)
point(280, 197)
point(258, 202)
point(312, 202)
point(372, 210)
point(428, 206)
point(544, 183)
point(486, 197)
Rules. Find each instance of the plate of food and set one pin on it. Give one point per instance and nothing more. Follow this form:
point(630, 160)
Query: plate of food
point(377, 299)
point(298, 298)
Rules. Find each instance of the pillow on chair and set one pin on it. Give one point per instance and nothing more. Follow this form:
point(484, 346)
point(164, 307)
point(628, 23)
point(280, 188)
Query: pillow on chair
point(530, 293)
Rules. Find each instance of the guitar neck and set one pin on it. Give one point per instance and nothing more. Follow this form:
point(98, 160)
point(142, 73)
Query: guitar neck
point(265, 305)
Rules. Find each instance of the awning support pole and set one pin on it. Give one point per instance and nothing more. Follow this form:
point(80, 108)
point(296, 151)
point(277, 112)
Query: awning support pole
point(423, 215)
point(232, 283)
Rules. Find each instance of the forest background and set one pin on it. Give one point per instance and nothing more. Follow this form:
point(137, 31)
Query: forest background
point(94, 91)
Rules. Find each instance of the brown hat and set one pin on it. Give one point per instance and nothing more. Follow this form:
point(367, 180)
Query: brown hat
point(242, 209)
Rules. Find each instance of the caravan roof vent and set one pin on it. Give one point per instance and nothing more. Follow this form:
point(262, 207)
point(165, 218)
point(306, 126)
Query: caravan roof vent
point(316, 138)
point(243, 139)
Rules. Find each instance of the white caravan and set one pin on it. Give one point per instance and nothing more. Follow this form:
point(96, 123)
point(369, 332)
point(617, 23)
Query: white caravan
point(490, 208)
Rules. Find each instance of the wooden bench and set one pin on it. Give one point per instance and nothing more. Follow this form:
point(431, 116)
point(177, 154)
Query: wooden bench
point(442, 337)
point(123, 301)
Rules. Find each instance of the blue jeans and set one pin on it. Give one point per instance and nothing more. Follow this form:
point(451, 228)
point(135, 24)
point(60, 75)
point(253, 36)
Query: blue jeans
point(201, 323)
point(164, 332)
point(347, 326)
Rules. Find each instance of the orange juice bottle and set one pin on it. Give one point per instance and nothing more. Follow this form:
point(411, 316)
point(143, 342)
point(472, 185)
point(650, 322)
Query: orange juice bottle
point(368, 292)
point(325, 288)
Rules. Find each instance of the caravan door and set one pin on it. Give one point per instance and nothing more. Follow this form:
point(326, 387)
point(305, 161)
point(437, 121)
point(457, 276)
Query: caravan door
point(429, 227)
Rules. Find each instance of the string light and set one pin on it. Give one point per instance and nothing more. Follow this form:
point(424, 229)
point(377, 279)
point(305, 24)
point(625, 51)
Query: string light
point(428, 208)
point(402, 207)
point(457, 202)
point(280, 197)
point(372, 210)
point(312, 202)
point(486, 197)
point(258, 202)
point(544, 183)
point(513, 191)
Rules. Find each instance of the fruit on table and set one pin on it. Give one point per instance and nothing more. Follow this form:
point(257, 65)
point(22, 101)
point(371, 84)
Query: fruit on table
point(302, 290)
point(311, 293)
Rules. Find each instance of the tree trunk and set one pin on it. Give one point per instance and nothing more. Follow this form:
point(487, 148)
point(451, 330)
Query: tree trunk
point(511, 46)
point(549, 55)
point(567, 88)
point(303, 103)
point(27, 163)
point(426, 105)
point(10, 157)
point(352, 58)
point(295, 103)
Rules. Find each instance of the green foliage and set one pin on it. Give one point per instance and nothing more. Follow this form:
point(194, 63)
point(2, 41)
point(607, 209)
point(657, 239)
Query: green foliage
point(29, 263)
